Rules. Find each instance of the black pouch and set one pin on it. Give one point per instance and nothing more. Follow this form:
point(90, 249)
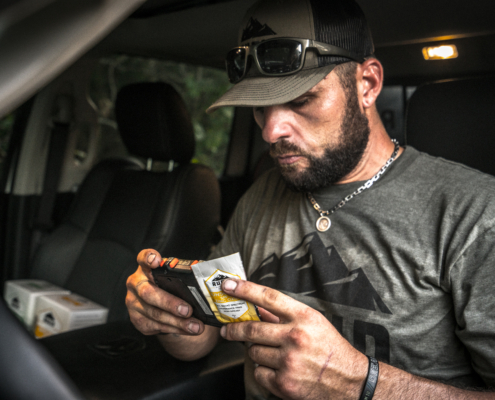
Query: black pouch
point(176, 277)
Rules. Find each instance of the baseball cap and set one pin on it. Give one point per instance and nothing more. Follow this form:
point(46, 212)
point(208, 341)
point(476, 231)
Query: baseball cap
point(339, 23)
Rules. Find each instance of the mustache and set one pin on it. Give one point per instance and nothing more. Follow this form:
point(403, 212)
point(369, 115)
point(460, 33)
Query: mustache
point(284, 147)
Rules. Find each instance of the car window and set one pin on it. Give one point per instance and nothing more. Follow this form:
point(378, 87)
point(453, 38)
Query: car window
point(199, 86)
point(6, 124)
point(392, 105)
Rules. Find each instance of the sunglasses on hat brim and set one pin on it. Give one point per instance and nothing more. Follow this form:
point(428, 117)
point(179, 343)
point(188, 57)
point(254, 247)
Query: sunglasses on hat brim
point(278, 57)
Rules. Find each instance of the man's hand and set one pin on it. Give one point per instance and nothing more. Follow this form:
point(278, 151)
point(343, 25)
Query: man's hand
point(151, 309)
point(301, 355)
point(299, 352)
point(154, 311)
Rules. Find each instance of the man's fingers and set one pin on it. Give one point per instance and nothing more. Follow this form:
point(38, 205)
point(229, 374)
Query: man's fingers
point(153, 310)
point(149, 258)
point(154, 296)
point(188, 326)
point(272, 300)
point(152, 320)
point(266, 355)
point(256, 332)
point(150, 327)
point(267, 377)
point(267, 316)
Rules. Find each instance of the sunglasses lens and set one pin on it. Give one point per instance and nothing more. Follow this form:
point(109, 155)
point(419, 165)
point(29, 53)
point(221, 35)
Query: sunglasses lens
point(279, 56)
point(236, 64)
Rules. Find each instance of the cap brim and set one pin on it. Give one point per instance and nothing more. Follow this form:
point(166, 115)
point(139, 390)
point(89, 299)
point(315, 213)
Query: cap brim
point(260, 91)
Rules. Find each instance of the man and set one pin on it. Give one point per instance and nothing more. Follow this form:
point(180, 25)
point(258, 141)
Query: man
point(379, 250)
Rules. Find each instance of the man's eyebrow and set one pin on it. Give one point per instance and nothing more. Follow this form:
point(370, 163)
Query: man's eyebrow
point(311, 92)
point(314, 90)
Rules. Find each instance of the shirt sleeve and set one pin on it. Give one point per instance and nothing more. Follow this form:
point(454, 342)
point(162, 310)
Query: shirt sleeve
point(234, 233)
point(233, 240)
point(472, 281)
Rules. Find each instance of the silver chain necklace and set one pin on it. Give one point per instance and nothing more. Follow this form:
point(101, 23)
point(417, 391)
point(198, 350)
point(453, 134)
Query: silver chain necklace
point(323, 223)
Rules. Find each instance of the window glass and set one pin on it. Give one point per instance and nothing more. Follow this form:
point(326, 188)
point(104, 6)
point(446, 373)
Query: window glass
point(198, 86)
point(392, 105)
point(6, 124)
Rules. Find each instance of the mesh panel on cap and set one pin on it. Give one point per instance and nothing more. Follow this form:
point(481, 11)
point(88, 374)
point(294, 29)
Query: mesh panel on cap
point(343, 24)
point(337, 22)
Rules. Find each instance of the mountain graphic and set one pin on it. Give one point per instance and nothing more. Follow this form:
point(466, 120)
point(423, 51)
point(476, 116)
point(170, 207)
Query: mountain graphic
point(311, 269)
point(254, 29)
point(220, 278)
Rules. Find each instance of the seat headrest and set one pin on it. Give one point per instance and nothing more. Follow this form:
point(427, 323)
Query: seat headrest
point(154, 122)
point(455, 120)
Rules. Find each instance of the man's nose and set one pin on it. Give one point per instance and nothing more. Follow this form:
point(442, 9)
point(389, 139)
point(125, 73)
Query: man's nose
point(276, 124)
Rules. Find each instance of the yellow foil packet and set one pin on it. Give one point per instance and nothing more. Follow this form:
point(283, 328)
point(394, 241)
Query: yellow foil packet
point(210, 275)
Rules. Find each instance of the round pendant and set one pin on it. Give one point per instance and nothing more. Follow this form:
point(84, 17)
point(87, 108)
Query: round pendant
point(323, 224)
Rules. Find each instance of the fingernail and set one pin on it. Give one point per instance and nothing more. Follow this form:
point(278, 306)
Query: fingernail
point(151, 258)
point(183, 310)
point(193, 327)
point(229, 285)
point(223, 331)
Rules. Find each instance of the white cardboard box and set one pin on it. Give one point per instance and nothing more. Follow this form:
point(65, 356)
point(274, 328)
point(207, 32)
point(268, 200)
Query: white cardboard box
point(59, 313)
point(21, 296)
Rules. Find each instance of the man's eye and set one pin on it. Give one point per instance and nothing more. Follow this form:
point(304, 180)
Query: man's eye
point(259, 110)
point(299, 103)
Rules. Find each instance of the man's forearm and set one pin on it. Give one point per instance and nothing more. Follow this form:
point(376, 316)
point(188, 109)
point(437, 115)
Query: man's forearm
point(394, 383)
point(188, 348)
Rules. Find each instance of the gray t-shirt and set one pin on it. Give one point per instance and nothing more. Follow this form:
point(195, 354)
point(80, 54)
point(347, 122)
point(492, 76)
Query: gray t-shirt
point(405, 273)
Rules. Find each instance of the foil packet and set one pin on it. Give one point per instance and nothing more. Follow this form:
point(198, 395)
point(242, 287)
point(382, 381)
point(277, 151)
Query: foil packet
point(210, 275)
point(200, 284)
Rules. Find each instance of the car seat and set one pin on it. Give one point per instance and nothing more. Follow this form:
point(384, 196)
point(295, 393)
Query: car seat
point(455, 120)
point(122, 208)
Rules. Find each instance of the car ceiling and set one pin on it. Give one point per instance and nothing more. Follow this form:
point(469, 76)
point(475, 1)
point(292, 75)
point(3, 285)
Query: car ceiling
point(391, 21)
point(202, 31)
point(156, 7)
point(203, 34)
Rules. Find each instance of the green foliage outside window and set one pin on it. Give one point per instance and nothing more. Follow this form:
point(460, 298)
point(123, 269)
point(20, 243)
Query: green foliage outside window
point(198, 86)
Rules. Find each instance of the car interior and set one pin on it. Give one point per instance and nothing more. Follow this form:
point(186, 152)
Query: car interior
point(105, 149)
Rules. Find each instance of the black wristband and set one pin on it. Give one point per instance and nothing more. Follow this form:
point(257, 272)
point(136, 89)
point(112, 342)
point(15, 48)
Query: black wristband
point(371, 380)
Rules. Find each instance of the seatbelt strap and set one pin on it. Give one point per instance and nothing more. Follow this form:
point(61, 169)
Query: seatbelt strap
point(56, 154)
point(53, 170)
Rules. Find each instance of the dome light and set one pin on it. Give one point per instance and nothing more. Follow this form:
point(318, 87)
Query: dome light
point(443, 52)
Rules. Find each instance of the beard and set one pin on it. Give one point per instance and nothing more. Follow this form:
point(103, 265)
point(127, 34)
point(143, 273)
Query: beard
point(337, 161)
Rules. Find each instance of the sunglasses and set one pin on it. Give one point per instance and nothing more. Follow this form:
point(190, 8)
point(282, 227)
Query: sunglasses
point(278, 57)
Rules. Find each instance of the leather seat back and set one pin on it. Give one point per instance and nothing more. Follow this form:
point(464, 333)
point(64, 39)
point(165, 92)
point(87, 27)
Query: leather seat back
point(121, 208)
point(455, 120)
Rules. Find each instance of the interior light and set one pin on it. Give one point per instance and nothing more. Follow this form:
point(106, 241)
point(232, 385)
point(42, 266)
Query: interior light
point(443, 52)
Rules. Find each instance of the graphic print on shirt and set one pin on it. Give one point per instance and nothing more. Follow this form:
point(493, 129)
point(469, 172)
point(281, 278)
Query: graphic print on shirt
point(313, 270)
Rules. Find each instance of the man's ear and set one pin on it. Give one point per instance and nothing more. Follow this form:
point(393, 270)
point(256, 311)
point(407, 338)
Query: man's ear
point(370, 81)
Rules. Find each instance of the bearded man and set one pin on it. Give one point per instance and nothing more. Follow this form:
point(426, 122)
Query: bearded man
point(356, 249)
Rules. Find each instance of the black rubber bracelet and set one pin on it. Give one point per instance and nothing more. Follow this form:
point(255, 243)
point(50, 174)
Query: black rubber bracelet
point(371, 380)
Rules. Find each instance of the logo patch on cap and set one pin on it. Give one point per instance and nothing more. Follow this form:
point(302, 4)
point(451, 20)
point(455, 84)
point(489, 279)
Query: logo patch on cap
point(254, 29)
